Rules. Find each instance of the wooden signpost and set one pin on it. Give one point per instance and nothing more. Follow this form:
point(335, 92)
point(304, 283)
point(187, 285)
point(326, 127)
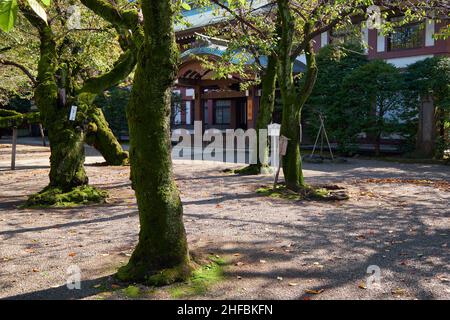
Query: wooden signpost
point(14, 147)
point(283, 148)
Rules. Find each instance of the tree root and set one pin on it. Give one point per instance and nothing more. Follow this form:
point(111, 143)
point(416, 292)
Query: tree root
point(312, 193)
point(138, 273)
point(251, 170)
point(56, 197)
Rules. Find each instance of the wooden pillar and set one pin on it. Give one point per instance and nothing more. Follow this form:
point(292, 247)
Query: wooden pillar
point(233, 123)
point(250, 108)
point(426, 134)
point(210, 105)
point(14, 148)
point(197, 104)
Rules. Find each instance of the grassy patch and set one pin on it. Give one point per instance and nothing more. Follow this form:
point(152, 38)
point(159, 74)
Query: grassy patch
point(202, 278)
point(325, 193)
point(55, 197)
point(132, 292)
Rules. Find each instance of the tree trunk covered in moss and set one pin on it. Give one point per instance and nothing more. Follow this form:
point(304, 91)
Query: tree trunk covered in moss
point(293, 99)
point(161, 255)
point(100, 136)
point(266, 105)
point(66, 139)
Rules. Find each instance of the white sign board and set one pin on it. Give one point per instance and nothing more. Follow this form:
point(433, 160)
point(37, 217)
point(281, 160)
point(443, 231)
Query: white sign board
point(274, 129)
point(73, 113)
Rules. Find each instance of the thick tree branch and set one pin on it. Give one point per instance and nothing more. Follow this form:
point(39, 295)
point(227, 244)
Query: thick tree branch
point(121, 70)
point(311, 72)
point(128, 19)
point(19, 66)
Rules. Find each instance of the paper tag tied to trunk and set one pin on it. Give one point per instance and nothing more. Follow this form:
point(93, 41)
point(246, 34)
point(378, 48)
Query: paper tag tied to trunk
point(283, 145)
point(73, 113)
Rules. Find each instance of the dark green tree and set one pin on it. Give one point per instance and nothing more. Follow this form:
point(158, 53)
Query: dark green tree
point(373, 100)
point(430, 78)
point(335, 62)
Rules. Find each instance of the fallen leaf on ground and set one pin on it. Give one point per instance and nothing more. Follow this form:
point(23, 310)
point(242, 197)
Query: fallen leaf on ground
point(310, 291)
point(72, 254)
point(443, 278)
point(293, 284)
point(362, 286)
point(398, 292)
point(239, 263)
point(35, 270)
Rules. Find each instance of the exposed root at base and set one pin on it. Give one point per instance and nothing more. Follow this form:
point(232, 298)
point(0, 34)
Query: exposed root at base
point(316, 193)
point(56, 197)
point(132, 273)
point(250, 170)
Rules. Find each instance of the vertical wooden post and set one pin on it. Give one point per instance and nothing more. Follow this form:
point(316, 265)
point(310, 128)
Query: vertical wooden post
point(250, 109)
point(41, 130)
point(197, 104)
point(14, 147)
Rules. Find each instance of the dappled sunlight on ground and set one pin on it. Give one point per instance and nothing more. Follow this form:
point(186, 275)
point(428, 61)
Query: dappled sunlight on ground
point(274, 248)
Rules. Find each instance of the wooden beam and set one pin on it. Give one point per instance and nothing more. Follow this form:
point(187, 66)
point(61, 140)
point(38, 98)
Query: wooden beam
point(223, 94)
point(187, 82)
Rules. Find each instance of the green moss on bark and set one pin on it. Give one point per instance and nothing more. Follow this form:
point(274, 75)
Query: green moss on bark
point(292, 98)
point(162, 253)
point(11, 118)
point(101, 137)
point(266, 105)
point(314, 193)
point(57, 197)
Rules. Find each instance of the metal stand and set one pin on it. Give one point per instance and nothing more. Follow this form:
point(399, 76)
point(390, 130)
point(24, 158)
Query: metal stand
point(322, 133)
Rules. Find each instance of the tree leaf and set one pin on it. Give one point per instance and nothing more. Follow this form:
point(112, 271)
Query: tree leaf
point(186, 6)
point(8, 14)
point(37, 8)
point(46, 2)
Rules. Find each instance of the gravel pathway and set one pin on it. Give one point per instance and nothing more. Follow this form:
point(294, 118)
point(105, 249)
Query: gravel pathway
point(276, 249)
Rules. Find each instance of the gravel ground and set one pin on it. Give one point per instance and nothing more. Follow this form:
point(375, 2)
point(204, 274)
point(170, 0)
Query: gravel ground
point(275, 249)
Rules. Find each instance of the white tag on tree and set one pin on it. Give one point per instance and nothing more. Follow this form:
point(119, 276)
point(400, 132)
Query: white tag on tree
point(73, 113)
point(283, 145)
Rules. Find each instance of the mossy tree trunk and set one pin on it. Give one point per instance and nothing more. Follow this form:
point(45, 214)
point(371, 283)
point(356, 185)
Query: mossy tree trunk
point(98, 133)
point(66, 138)
point(126, 22)
point(55, 93)
point(161, 255)
point(100, 136)
point(266, 105)
point(293, 98)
